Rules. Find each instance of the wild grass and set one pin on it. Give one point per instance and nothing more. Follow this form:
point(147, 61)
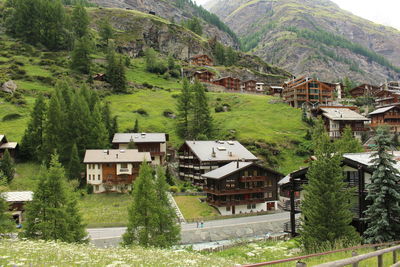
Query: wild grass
point(192, 208)
point(26, 178)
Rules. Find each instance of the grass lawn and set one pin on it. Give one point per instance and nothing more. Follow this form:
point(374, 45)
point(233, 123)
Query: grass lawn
point(105, 210)
point(192, 208)
point(26, 178)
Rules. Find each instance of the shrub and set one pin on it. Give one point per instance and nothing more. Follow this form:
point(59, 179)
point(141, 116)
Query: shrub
point(175, 73)
point(174, 189)
point(141, 111)
point(219, 109)
point(168, 113)
point(11, 117)
point(89, 189)
point(147, 85)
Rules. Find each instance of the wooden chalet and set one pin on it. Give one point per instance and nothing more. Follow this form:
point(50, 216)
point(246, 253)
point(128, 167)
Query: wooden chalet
point(249, 85)
point(113, 170)
point(242, 187)
point(204, 76)
point(298, 92)
point(201, 60)
point(260, 87)
point(275, 90)
point(12, 147)
point(387, 116)
point(337, 118)
point(229, 83)
point(16, 203)
point(387, 98)
point(364, 90)
point(199, 157)
point(154, 143)
point(357, 173)
point(392, 85)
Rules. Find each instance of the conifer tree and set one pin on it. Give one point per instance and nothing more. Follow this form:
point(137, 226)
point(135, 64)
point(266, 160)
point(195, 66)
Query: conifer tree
point(7, 166)
point(168, 177)
point(184, 107)
point(115, 74)
point(108, 122)
point(326, 205)
point(383, 215)
point(231, 57)
point(53, 214)
point(143, 213)
point(106, 31)
point(53, 127)
point(114, 125)
point(347, 143)
point(136, 127)
point(32, 141)
point(167, 233)
point(6, 224)
point(74, 166)
point(202, 120)
point(80, 59)
point(219, 53)
point(99, 133)
point(80, 21)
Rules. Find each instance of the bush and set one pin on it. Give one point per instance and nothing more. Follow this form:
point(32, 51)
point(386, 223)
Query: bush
point(173, 189)
point(141, 111)
point(219, 109)
point(89, 189)
point(147, 85)
point(175, 73)
point(11, 117)
point(168, 113)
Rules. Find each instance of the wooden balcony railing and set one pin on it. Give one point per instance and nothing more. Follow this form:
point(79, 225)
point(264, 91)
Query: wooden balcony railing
point(234, 191)
point(236, 202)
point(244, 179)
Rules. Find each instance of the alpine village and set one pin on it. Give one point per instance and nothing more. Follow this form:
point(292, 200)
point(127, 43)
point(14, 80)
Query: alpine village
point(195, 133)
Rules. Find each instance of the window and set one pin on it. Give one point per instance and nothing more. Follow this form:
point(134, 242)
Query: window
point(269, 194)
point(96, 188)
point(98, 166)
point(228, 208)
point(89, 166)
point(89, 176)
point(246, 173)
point(98, 177)
point(253, 206)
point(248, 206)
point(124, 165)
point(255, 173)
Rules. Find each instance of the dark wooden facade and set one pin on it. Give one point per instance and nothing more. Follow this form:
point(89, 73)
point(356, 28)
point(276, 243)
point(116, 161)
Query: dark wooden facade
point(204, 76)
point(201, 60)
point(249, 85)
point(111, 177)
point(12, 147)
point(250, 185)
point(388, 117)
point(305, 90)
point(229, 83)
point(387, 98)
point(364, 90)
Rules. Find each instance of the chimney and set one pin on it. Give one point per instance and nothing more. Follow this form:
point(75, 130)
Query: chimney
point(108, 152)
point(213, 153)
point(237, 164)
point(116, 155)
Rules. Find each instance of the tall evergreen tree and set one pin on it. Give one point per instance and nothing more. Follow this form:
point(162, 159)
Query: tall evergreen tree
point(143, 213)
point(347, 143)
point(115, 72)
point(326, 205)
point(32, 141)
point(202, 120)
point(136, 126)
point(99, 133)
point(6, 224)
point(74, 166)
point(7, 166)
point(383, 215)
point(184, 107)
point(106, 31)
point(80, 58)
point(114, 124)
point(53, 127)
point(168, 177)
point(231, 56)
point(219, 53)
point(80, 21)
point(108, 121)
point(53, 214)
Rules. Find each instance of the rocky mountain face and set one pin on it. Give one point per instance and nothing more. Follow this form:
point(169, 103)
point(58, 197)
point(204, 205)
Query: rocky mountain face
point(313, 37)
point(170, 10)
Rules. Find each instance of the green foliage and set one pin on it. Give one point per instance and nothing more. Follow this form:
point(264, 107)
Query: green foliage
point(382, 216)
point(80, 21)
point(7, 167)
point(193, 24)
point(347, 143)
point(136, 127)
point(80, 58)
point(348, 85)
point(219, 53)
point(74, 166)
point(168, 177)
point(201, 124)
point(184, 107)
point(52, 214)
point(251, 40)
point(230, 56)
point(153, 63)
point(6, 224)
point(106, 31)
point(115, 73)
point(326, 204)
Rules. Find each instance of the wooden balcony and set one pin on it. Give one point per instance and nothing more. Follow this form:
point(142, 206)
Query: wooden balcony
point(244, 179)
point(221, 203)
point(234, 191)
point(118, 180)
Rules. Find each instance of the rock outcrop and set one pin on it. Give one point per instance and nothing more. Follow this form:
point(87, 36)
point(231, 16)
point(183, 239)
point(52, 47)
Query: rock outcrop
point(9, 87)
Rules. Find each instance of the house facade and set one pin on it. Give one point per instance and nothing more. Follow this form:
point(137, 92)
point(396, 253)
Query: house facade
point(229, 83)
point(113, 170)
point(386, 98)
point(364, 90)
point(336, 119)
point(199, 157)
point(298, 92)
point(204, 76)
point(154, 143)
point(249, 86)
point(387, 116)
point(260, 87)
point(12, 147)
point(201, 60)
point(242, 187)
point(16, 203)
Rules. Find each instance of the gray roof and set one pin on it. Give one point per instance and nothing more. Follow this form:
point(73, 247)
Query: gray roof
point(365, 158)
point(116, 156)
point(342, 114)
point(226, 170)
point(284, 180)
point(9, 145)
point(1, 137)
point(381, 110)
point(21, 196)
point(139, 138)
point(224, 151)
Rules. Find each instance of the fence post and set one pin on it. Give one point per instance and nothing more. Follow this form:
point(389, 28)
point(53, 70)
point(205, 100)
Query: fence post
point(301, 264)
point(353, 254)
point(394, 256)
point(380, 261)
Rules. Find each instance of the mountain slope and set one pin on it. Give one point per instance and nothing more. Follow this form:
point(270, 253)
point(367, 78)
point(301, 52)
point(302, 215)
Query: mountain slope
point(178, 11)
point(313, 37)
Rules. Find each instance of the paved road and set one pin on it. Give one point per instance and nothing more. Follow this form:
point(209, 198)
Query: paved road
point(116, 232)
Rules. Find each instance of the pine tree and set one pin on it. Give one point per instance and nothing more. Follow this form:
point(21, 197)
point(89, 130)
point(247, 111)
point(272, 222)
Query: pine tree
point(219, 53)
point(7, 166)
point(326, 205)
point(53, 127)
point(168, 177)
point(74, 166)
point(143, 213)
point(99, 134)
point(167, 231)
point(53, 214)
point(106, 31)
point(231, 57)
point(6, 224)
point(32, 141)
point(136, 127)
point(80, 59)
point(383, 215)
point(115, 74)
point(202, 120)
point(184, 107)
point(108, 121)
point(80, 21)
point(347, 143)
point(114, 125)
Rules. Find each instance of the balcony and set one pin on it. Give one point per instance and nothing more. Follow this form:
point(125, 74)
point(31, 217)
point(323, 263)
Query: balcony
point(234, 191)
point(222, 203)
point(244, 179)
point(124, 171)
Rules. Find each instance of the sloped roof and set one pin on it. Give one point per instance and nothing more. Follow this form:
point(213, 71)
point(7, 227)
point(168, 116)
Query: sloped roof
point(22, 196)
point(224, 150)
point(2, 137)
point(9, 145)
point(366, 157)
point(227, 169)
point(116, 156)
point(342, 114)
point(139, 138)
point(381, 110)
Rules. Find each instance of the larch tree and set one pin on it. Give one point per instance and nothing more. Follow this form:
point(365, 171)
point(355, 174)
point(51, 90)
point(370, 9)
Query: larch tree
point(80, 59)
point(53, 127)
point(184, 107)
point(106, 31)
point(80, 21)
point(106, 113)
point(143, 212)
point(383, 215)
point(74, 165)
point(7, 166)
point(202, 124)
point(136, 126)
point(326, 205)
point(6, 224)
point(53, 214)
